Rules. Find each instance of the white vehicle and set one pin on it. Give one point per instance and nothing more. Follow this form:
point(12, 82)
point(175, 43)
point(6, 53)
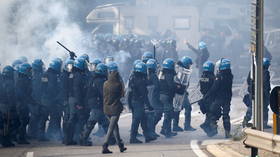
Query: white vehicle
point(146, 18)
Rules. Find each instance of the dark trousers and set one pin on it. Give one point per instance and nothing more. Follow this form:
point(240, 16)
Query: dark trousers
point(23, 113)
point(138, 117)
point(96, 116)
point(33, 127)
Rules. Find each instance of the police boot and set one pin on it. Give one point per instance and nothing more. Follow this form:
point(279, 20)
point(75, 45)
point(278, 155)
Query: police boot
point(177, 129)
point(122, 148)
point(105, 149)
point(205, 127)
point(245, 122)
point(85, 142)
point(227, 134)
point(189, 128)
point(134, 141)
point(6, 142)
point(213, 130)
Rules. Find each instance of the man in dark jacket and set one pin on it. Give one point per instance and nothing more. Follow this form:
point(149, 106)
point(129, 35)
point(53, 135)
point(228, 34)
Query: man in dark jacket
point(202, 55)
point(221, 92)
point(95, 102)
point(168, 88)
point(77, 104)
point(113, 91)
point(206, 81)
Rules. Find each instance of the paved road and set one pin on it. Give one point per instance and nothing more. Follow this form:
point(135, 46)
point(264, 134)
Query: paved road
point(186, 144)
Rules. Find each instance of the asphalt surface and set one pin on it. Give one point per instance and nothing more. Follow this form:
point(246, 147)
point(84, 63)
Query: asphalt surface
point(185, 144)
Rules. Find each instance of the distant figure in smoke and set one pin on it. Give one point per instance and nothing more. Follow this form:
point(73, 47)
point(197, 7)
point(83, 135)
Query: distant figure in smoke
point(221, 94)
point(266, 95)
point(113, 91)
point(202, 54)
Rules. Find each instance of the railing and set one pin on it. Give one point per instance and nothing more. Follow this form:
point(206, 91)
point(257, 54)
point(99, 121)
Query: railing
point(262, 140)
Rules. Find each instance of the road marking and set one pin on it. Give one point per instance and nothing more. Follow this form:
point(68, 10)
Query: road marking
point(196, 149)
point(125, 115)
point(30, 154)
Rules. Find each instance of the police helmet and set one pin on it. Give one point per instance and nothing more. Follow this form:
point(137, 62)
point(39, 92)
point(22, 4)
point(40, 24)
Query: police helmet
point(68, 65)
point(101, 69)
point(202, 45)
point(136, 62)
point(146, 56)
point(8, 71)
point(140, 67)
point(151, 64)
point(25, 69)
point(208, 66)
point(266, 62)
point(85, 56)
point(16, 64)
point(186, 61)
point(80, 63)
point(37, 65)
point(112, 66)
point(23, 59)
point(168, 63)
point(223, 64)
point(55, 65)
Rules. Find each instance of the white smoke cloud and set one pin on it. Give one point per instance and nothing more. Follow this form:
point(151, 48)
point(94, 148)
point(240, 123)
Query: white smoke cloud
point(32, 27)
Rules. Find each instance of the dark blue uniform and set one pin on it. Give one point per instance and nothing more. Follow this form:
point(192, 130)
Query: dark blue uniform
point(24, 98)
point(221, 92)
point(33, 128)
point(206, 81)
point(51, 105)
point(138, 101)
point(77, 104)
point(95, 102)
point(154, 94)
point(167, 92)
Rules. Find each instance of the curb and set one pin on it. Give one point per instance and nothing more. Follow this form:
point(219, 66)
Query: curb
point(222, 151)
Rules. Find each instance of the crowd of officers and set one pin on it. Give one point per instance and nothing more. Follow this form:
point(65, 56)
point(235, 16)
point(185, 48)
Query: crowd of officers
point(72, 93)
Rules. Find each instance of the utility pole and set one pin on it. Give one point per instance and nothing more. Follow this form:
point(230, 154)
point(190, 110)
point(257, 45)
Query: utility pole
point(257, 49)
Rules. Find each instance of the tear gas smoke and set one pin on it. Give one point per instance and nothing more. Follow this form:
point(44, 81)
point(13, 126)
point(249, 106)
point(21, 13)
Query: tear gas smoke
point(32, 27)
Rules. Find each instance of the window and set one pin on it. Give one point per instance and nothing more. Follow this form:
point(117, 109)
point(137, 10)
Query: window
point(152, 22)
point(106, 15)
point(181, 23)
point(129, 22)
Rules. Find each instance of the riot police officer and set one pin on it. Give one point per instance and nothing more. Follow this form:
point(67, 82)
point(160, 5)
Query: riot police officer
point(138, 101)
point(168, 89)
point(95, 102)
point(266, 95)
point(67, 93)
point(9, 117)
point(37, 73)
point(182, 101)
point(202, 55)
point(77, 103)
point(51, 106)
point(154, 93)
point(24, 98)
point(221, 92)
point(206, 81)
